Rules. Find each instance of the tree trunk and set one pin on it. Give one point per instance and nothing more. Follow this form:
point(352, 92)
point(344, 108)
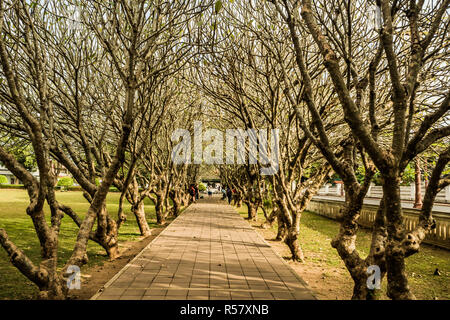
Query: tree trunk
point(159, 209)
point(185, 200)
point(418, 183)
point(107, 234)
point(176, 200)
point(167, 207)
point(139, 213)
point(270, 219)
point(398, 288)
point(345, 245)
point(360, 289)
point(176, 207)
point(56, 289)
point(375, 258)
point(237, 198)
point(136, 200)
point(282, 232)
point(292, 230)
point(291, 240)
point(252, 211)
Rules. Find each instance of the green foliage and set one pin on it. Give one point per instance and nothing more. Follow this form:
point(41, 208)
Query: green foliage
point(218, 6)
point(28, 160)
point(408, 176)
point(311, 170)
point(360, 174)
point(377, 178)
point(267, 203)
point(23, 153)
point(3, 179)
point(201, 187)
point(113, 189)
point(446, 170)
point(12, 186)
point(65, 182)
point(75, 188)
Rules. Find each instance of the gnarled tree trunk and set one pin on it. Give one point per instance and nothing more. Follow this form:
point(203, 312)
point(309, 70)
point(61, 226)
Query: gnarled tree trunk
point(139, 212)
point(237, 199)
point(176, 197)
point(158, 200)
point(345, 245)
point(281, 231)
point(252, 210)
point(270, 219)
point(398, 288)
point(107, 233)
point(136, 199)
point(291, 224)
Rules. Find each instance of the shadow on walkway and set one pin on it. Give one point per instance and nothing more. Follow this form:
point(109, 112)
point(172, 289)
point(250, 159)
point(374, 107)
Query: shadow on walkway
point(208, 252)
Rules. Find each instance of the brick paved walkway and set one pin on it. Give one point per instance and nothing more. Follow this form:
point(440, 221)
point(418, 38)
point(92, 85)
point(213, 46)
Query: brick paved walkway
point(209, 252)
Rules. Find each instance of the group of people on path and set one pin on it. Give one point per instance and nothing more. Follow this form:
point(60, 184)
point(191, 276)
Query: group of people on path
point(227, 193)
point(193, 192)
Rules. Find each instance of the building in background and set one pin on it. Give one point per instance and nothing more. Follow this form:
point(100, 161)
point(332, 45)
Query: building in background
point(58, 169)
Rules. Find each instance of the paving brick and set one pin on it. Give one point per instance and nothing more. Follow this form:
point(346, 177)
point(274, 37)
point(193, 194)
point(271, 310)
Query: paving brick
point(282, 295)
point(208, 252)
point(155, 292)
point(262, 295)
point(112, 291)
point(176, 297)
point(106, 297)
point(241, 296)
point(177, 292)
point(134, 292)
point(130, 297)
point(153, 298)
point(197, 298)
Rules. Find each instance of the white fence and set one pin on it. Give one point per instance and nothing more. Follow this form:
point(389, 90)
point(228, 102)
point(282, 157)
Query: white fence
point(440, 236)
point(406, 192)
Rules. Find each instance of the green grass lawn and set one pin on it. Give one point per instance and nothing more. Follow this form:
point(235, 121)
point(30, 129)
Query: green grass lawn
point(18, 225)
point(316, 233)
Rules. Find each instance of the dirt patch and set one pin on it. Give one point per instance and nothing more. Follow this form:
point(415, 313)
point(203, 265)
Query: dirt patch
point(94, 278)
point(327, 282)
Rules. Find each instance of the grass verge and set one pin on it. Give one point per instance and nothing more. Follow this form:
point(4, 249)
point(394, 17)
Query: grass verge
point(316, 233)
point(13, 218)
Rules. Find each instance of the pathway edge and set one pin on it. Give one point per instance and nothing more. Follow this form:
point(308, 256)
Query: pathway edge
point(279, 256)
point(110, 281)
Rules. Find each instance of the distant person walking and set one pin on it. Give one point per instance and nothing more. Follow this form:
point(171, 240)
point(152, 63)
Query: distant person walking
point(209, 192)
point(229, 194)
point(197, 196)
point(224, 194)
point(192, 192)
